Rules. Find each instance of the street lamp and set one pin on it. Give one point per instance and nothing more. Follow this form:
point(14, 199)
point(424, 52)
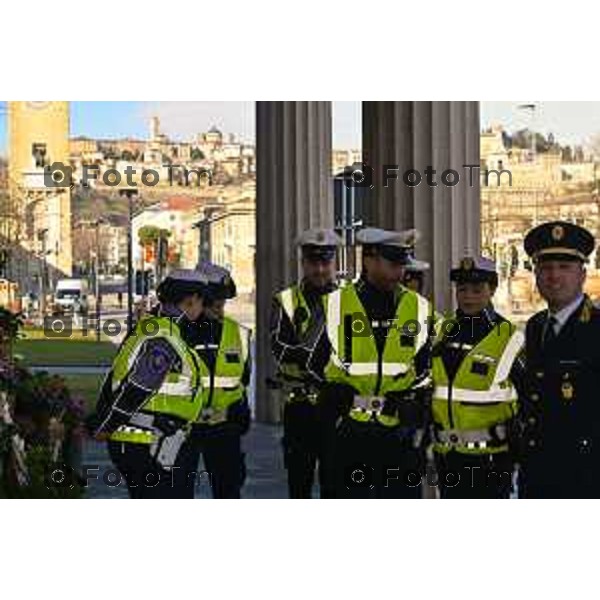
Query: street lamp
point(42, 233)
point(204, 233)
point(129, 193)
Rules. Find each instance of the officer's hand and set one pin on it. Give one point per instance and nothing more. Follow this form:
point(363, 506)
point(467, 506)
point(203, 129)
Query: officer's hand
point(239, 413)
point(410, 407)
point(335, 400)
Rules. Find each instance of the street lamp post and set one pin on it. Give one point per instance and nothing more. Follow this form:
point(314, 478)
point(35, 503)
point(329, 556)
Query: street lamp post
point(129, 193)
point(97, 280)
point(43, 268)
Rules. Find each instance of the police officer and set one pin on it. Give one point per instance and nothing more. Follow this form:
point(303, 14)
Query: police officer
point(414, 276)
point(414, 271)
point(224, 348)
point(478, 372)
point(153, 392)
point(297, 320)
point(562, 413)
point(374, 358)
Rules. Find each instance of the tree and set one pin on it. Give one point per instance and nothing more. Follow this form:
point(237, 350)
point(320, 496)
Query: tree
point(522, 139)
point(150, 234)
point(196, 154)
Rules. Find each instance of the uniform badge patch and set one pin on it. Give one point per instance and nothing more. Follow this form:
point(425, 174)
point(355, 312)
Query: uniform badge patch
point(558, 233)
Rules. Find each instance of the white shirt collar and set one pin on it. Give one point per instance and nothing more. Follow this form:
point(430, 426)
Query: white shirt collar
point(562, 316)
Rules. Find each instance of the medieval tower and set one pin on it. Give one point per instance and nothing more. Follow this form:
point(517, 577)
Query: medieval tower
point(38, 139)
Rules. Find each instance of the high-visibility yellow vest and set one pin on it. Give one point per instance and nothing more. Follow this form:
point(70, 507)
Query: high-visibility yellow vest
point(354, 358)
point(180, 394)
point(481, 396)
point(225, 387)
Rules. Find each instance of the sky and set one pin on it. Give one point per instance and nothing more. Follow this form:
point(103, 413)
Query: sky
point(571, 122)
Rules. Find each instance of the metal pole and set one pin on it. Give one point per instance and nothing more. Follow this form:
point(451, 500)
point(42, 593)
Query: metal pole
point(97, 281)
point(43, 277)
point(352, 234)
point(129, 264)
point(344, 220)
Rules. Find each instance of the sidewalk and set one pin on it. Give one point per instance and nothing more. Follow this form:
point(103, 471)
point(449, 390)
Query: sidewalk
point(266, 476)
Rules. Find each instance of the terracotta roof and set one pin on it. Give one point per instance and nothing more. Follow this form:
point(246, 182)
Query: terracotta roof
point(184, 203)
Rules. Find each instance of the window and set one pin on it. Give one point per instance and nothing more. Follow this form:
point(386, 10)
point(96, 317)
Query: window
point(38, 151)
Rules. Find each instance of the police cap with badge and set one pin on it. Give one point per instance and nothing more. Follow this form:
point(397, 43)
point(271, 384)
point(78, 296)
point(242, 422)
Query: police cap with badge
point(559, 240)
point(318, 244)
point(394, 246)
point(475, 270)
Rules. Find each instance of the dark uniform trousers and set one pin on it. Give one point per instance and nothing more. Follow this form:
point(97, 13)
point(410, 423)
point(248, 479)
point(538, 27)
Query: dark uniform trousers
point(485, 476)
point(224, 462)
point(145, 478)
point(303, 450)
point(374, 461)
point(560, 454)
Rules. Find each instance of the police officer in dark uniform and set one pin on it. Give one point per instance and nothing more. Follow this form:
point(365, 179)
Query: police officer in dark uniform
point(153, 392)
point(296, 322)
point(478, 373)
point(561, 419)
point(224, 349)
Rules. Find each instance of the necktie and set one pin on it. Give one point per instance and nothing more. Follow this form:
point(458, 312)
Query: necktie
point(550, 332)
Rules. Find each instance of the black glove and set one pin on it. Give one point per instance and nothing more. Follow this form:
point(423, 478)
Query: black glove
point(335, 401)
point(239, 413)
point(410, 406)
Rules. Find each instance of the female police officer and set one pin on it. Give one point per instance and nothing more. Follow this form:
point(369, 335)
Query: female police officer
point(223, 346)
point(153, 392)
point(478, 374)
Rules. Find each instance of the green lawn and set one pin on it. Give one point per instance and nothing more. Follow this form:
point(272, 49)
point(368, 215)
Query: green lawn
point(38, 333)
point(86, 386)
point(65, 352)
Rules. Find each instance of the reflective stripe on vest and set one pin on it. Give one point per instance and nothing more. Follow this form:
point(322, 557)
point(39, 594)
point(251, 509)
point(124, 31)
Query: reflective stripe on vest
point(134, 435)
point(492, 395)
point(291, 299)
point(287, 302)
point(397, 368)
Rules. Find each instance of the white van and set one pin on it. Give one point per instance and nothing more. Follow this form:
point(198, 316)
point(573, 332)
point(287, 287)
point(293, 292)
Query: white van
point(71, 295)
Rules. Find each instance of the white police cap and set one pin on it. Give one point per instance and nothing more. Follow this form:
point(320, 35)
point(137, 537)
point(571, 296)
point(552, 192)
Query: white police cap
point(318, 237)
point(385, 237)
point(475, 269)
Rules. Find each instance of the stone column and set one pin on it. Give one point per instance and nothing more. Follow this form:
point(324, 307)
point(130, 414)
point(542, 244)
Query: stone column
point(294, 192)
point(418, 135)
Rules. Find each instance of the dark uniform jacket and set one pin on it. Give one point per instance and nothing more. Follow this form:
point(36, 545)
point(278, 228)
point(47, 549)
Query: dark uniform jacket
point(561, 415)
point(287, 346)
